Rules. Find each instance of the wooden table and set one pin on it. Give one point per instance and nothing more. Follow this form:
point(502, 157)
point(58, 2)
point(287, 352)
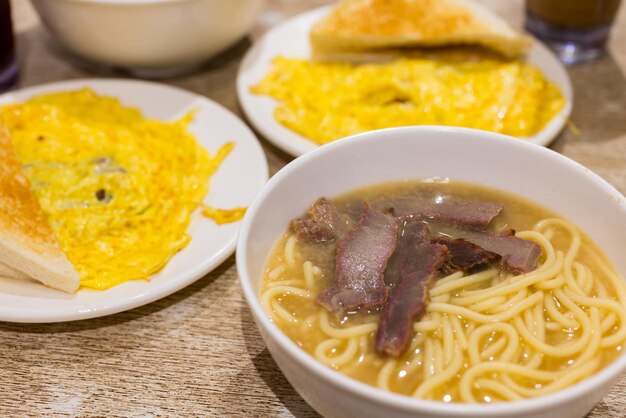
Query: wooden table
point(197, 352)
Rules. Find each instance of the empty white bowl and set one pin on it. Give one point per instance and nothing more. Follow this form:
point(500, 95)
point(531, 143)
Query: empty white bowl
point(493, 160)
point(144, 35)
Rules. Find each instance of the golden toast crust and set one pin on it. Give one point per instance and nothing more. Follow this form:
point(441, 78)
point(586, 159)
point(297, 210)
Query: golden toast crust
point(355, 25)
point(27, 242)
point(423, 18)
point(20, 214)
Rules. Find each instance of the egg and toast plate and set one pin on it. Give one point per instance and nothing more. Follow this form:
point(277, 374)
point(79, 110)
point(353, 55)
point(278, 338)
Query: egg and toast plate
point(235, 184)
point(291, 39)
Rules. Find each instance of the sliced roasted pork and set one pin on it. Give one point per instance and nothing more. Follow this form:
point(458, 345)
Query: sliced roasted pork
point(323, 222)
point(518, 255)
point(411, 232)
point(471, 213)
point(408, 300)
point(467, 256)
point(360, 263)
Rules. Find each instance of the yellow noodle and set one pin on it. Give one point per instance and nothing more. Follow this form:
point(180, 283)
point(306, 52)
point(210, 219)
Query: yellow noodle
point(290, 249)
point(605, 304)
point(276, 272)
point(513, 300)
point(459, 282)
point(482, 318)
point(523, 281)
point(415, 363)
point(442, 377)
point(558, 380)
point(556, 315)
point(505, 392)
point(459, 333)
point(309, 276)
point(448, 340)
point(350, 332)
point(274, 292)
point(428, 366)
point(438, 361)
point(428, 324)
point(444, 298)
point(612, 276)
point(289, 282)
point(335, 361)
point(283, 314)
point(317, 271)
point(585, 281)
point(608, 322)
point(474, 341)
point(451, 277)
point(554, 326)
point(488, 304)
point(591, 349)
point(308, 322)
point(551, 283)
point(561, 350)
point(418, 339)
point(494, 348)
point(540, 322)
point(385, 375)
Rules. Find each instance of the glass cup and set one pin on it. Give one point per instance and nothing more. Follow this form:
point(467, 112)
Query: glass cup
point(8, 63)
point(577, 30)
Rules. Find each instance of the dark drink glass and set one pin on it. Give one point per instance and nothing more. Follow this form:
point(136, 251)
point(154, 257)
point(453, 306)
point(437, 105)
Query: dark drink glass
point(577, 30)
point(8, 63)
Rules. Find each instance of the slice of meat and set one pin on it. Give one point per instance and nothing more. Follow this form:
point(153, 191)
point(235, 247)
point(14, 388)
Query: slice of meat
point(474, 213)
point(467, 256)
point(519, 255)
point(360, 263)
point(464, 212)
point(411, 232)
point(323, 222)
point(408, 300)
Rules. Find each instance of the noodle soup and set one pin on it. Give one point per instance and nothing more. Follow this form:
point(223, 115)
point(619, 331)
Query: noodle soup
point(487, 335)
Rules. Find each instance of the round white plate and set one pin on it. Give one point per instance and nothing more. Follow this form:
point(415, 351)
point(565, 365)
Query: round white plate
point(236, 183)
point(291, 39)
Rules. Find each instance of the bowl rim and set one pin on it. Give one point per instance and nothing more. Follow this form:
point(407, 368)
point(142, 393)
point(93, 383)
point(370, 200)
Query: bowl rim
point(363, 390)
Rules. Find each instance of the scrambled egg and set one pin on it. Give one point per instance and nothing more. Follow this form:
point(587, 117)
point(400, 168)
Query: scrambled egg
point(325, 102)
point(118, 189)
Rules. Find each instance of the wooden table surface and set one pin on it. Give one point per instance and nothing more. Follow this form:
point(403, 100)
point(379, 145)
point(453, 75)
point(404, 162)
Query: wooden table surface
point(197, 352)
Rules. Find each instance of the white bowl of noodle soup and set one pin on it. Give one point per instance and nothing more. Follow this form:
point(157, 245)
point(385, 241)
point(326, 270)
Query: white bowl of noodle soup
point(532, 172)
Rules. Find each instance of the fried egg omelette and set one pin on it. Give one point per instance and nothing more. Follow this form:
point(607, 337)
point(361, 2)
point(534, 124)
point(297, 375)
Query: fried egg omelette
point(327, 101)
point(118, 189)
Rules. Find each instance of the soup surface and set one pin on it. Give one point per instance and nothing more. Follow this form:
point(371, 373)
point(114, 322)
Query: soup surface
point(487, 335)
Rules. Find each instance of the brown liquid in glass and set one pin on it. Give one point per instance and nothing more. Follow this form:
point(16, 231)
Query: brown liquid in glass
point(574, 14)
point(8, 67)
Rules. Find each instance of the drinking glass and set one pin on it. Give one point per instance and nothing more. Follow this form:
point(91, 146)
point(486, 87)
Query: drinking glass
point(8, 63)
point(577, 30)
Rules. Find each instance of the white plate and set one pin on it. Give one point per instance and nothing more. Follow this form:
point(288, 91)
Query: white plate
point(291, 39)
point(236, 183)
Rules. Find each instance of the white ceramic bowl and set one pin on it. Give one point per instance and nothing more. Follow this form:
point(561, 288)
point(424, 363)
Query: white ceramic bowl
point(148, 34)
point(534, 172)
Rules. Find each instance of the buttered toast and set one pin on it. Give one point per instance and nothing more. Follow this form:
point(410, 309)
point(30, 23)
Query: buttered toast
point(369, 28)
point(28, 246)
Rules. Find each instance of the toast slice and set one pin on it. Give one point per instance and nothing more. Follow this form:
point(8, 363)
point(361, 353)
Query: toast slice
point(373, 28)
point(28, 246)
